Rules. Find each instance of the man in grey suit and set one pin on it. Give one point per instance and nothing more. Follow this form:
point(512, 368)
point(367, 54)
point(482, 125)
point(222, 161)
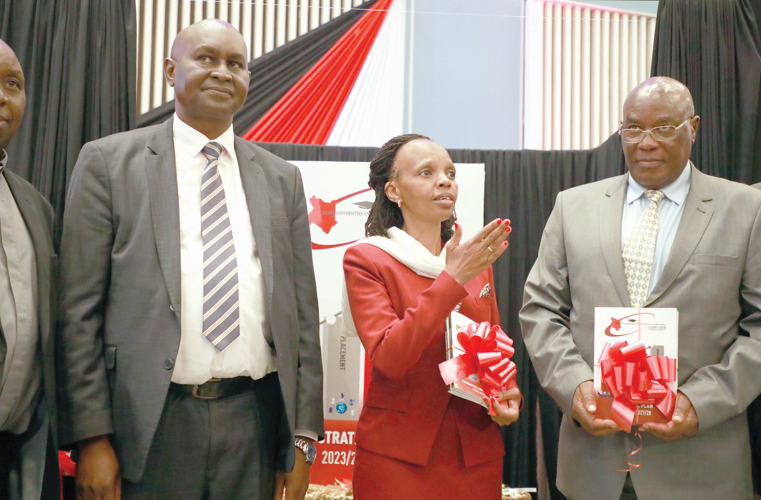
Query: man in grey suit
point(28, 421)
point(705, 261)
point(191, 354)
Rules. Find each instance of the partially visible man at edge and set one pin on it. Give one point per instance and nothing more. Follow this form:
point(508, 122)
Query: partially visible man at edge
point(192, 357)
point(705, 261)
point(28, 419)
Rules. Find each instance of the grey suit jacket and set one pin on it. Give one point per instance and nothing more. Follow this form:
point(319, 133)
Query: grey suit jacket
point(713, 277)
point(120, 267)
point(37, 466)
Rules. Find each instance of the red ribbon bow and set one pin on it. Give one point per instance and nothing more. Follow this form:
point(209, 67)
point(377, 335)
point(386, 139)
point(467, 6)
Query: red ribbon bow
point(634, 378)
point(487, 352)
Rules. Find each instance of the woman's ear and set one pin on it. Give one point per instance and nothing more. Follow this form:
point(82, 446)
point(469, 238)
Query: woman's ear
point(392, 192)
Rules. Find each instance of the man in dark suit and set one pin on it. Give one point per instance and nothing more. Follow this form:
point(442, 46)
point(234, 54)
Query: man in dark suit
point(28, 423)
point(192, 356)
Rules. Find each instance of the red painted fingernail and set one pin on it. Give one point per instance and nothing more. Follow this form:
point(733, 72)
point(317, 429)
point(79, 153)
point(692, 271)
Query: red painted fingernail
point(456, 225)
point(499, 221)
point(505, 243)
point(508, 229)
point(507, 221)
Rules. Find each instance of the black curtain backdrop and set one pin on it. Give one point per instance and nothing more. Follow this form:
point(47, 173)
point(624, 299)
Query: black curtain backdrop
point(522, 186)
point(79, 60)
point(274, 73)
point(79, 64)
point(713, 47)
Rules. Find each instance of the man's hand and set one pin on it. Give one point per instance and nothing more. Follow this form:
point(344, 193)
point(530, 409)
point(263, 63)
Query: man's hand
point(583, 410)
point(509, 412)
point(97, 476)
point(296, 482)
point(683, 425)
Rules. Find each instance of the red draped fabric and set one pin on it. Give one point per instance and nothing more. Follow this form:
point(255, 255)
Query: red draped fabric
point(307, 113)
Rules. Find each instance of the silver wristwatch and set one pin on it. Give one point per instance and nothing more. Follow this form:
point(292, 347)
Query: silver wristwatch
point(309, 449)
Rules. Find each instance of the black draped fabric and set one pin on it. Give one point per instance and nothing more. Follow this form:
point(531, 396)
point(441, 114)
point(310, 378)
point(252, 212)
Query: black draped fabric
point(79, 64)
point(274, 73)
point(713, 47)
point(521, 186)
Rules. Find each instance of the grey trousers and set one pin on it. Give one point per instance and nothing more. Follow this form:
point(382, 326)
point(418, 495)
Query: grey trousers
point(215, 449)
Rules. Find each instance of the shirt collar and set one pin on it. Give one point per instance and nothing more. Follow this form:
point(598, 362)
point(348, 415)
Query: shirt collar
point(192, 141)
point(676, 191)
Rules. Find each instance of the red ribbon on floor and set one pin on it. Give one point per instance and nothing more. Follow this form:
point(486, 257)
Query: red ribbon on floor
point(487, 353)
point(345, 484)
point(634, 378)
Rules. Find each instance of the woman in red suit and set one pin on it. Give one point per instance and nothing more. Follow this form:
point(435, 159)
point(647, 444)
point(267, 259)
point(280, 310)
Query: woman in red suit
point(415, 440)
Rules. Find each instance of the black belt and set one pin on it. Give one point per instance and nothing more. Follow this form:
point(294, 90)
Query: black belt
point(221, 389)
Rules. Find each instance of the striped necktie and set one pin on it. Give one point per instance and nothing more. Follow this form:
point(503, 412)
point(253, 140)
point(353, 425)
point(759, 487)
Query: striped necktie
point(221, 316)
point(639, 251)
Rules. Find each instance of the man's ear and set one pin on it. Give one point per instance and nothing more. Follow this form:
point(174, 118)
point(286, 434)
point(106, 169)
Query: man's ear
point(169, 66)
point(695, 124)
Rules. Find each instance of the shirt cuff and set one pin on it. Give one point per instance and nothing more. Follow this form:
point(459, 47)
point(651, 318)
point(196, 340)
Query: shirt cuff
point(306, 434)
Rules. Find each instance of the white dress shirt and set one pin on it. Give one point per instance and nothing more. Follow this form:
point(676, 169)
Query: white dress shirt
point(670, 210)
point(18, 315)
point(250, 354)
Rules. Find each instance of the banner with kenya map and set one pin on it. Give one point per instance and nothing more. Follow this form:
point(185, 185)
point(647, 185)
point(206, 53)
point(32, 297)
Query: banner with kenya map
point(339, 201)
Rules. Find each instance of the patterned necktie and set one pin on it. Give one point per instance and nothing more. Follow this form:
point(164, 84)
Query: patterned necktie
point(221, 316)
point(639, 251)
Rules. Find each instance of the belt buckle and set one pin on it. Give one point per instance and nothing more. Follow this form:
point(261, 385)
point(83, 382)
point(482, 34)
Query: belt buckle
point(195, 394)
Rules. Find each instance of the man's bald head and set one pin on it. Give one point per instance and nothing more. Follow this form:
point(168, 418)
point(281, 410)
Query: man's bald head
point(208, 69)
point(662, 87)
point(199, 31)
point(664, 107)
point(12, 94)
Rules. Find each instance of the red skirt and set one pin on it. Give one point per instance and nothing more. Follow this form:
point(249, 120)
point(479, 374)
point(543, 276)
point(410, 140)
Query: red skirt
point(445, 477)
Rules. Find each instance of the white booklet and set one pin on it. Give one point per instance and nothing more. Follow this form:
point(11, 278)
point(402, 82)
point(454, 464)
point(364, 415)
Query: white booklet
point(636, 382)
point(469, 387)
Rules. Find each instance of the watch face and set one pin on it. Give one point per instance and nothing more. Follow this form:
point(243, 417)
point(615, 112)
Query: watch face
point(311, 453)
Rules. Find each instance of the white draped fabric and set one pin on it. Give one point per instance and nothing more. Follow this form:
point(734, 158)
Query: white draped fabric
point(374, 111)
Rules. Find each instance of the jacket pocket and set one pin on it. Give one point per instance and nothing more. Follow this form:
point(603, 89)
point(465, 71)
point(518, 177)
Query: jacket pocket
point(714, 260)
point(387, 397)
point(109, 356)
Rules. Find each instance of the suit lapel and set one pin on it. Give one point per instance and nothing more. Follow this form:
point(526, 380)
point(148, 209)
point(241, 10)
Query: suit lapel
point(161, 172)
point(257, 199)
point(36, 225)
point(611, 212)
point(695, 218)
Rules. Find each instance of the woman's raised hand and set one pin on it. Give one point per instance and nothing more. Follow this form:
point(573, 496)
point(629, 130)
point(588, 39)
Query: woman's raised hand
point(467, 260)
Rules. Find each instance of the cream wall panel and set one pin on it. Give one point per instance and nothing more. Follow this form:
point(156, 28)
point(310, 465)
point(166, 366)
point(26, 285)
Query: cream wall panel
point(591, 58)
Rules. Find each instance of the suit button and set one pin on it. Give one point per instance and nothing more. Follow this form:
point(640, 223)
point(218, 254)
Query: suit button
point(168, 364)
point(171, 307)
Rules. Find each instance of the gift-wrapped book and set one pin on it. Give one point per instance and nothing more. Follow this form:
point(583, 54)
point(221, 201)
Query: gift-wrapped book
point(478, 362)
point(635, 371)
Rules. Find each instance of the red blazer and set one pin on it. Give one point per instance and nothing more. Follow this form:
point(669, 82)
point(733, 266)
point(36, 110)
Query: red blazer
point(400, 318)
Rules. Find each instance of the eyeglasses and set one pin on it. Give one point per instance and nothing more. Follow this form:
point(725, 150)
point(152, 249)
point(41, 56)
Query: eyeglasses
point(664, 133)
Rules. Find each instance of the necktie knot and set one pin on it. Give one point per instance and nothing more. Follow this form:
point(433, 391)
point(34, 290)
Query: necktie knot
point(654, 195)
point(212, 150)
